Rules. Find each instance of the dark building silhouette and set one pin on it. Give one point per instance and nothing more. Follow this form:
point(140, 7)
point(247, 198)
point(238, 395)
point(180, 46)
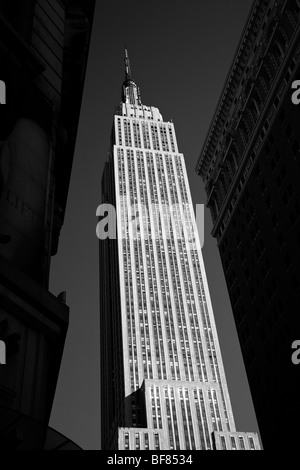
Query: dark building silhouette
point(43, 55)
point(250, 164)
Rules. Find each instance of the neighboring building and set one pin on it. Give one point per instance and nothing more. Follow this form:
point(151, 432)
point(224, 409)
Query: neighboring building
point(250, 164)
point(163, 384)
point(43, 54)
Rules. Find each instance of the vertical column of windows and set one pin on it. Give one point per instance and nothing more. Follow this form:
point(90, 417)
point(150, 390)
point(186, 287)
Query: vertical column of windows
point(176, 282)
point(251, 443)
point(156, 408)
point(161, 263)
point(188, 296)
point(119, 132)
point(126, 441)
point(169, 320)
point(205, 316)
point(133, 197)
point(199, 420)
point(172, 180)
point(204, 419)
point(137, 441)
point(212, 411)
point(217, 410)
point(131, 330)
point(241, 443)
point(172, 139)
point(153, 408)
point(184, 341)
point(181, 180)
point(155, 139)
point(184, 422)
point(164, 138)
point(171, 340)
point(146, 441)
point(156, 320)
point(187, 419)
point(202, 370)
point(233, 443)
point(127, 131)
point(174, 442)
point(174, 415)
point(197, 343)
point(137, 134)
point(157, 329)
point(223, 443)
point(156, 442)
point(143, 311)
point(146, 135)
point(190, 421)
point(130, 314)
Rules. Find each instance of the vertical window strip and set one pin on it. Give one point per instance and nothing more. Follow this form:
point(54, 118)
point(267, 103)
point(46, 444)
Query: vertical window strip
point(212, 411)
point(185, 346)
point(241, 443)
point(199, 420)
point(156, 442)
point(204, 418)
point(233, 443)
point(137, 441)
point(190, 420)
point(251, 443)
point(217, 410)
point(223, 443)
point(184, 421)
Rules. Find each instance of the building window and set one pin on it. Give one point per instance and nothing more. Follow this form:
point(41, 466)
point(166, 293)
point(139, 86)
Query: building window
point(126, 440)
point(233, 443)
point(137, 441)
point(223, 443)
point(156, 442)
point(251, 443)
point(242, 443)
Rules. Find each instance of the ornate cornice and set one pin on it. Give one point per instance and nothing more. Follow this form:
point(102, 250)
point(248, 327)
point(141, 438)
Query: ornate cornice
point(234, 77)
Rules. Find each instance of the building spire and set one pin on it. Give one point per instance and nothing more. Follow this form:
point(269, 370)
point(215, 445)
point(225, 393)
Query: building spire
point(130, 91)
point(127, 65)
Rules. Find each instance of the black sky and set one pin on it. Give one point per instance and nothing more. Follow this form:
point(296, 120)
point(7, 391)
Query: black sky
point(180, 55)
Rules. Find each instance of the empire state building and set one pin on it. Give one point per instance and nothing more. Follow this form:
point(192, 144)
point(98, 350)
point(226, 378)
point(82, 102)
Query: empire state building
point(163, 383)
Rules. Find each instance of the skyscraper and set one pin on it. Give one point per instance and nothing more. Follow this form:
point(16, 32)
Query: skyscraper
point(163, 384)
point(250, 166)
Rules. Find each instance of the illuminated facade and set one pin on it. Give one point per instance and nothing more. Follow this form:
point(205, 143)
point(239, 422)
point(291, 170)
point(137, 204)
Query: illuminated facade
point(162, 376)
